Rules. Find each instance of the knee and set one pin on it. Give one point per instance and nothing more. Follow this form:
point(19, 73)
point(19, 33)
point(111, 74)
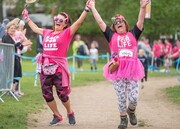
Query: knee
point(48, 97)
point(133, 99)
point(63, 97)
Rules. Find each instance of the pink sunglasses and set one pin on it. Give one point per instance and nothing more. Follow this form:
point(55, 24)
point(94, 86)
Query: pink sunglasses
point(58, 19)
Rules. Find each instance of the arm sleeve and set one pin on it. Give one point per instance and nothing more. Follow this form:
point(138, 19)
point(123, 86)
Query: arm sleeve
point(136, 32)
point(19, 45)
point(108, 33)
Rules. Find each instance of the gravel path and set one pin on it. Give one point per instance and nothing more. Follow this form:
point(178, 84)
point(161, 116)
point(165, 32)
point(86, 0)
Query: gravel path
point(95, 107)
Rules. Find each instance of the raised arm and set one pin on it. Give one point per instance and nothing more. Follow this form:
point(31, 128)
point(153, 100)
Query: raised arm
point(97, 17)
point(31, 24)
point(142, 12)
point(74, 27)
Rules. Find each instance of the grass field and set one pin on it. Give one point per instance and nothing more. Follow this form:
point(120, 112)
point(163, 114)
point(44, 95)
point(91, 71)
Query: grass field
point(13, 114)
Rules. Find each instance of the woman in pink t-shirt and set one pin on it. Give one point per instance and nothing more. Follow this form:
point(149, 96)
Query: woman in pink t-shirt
point(53, 63)
point(124, 48)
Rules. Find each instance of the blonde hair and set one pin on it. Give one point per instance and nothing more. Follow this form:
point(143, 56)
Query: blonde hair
point(16, 22)
point(10, 24)
point(141, 51)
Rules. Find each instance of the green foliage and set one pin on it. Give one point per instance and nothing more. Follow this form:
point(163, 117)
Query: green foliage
point(173, 94)
point(164, 20)
point(13, 114)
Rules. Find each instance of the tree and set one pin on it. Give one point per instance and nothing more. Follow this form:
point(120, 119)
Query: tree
point(165, 13)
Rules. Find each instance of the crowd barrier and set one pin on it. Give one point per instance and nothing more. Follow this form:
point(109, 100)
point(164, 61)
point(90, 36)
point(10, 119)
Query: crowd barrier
point(6, 81)
point(6, 69)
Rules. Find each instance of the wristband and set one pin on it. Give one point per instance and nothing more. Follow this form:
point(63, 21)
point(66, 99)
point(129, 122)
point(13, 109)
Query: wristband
point(86, 9)
point(28, 20)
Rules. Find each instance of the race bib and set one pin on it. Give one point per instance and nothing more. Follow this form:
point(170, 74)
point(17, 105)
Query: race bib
point(125, 53)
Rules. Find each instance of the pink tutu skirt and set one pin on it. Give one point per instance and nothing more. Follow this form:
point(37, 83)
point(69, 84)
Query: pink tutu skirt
point(130, 68)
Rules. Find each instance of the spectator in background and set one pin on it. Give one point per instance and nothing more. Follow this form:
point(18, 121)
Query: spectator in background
point(143, 43)
point(3, 28)
point(5, 22)
point(95, 44)
point(10, 38)
point(175, 53)
point(168, 47)
point(144, 61)
point(167, 63)
point(162, 51)
point(2, 32)
point(156, 54)
point(39, 46)
point(79, 49)
point(93, 52)
point(20, 36)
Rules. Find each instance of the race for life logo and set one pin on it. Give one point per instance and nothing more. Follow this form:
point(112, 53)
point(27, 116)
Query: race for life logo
point(50, 43)
point(123, 41)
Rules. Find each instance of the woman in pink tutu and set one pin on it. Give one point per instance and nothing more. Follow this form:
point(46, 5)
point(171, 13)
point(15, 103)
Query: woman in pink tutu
point(123, 46)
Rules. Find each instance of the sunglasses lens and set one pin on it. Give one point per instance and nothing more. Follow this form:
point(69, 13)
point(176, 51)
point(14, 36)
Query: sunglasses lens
point(118, 21)
point(58, 19)
point(61, 20)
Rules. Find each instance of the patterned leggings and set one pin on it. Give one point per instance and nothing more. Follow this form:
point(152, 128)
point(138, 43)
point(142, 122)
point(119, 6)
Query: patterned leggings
point(47, 82)
point(124, 88)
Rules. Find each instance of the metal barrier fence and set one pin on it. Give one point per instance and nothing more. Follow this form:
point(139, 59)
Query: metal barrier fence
point(6, 69)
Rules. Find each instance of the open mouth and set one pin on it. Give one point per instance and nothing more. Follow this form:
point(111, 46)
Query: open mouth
point(119, 26)
point(57, 24)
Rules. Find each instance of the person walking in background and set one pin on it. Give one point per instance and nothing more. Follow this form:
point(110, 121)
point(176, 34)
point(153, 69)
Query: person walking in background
point(93, 53)
point(124, 43)
point(144, 61)
point(54, 64)
point(79, 49)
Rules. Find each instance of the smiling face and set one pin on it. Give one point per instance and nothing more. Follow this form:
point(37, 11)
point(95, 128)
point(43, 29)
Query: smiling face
point(11, 29)
point(60, 22)
point(119, 25)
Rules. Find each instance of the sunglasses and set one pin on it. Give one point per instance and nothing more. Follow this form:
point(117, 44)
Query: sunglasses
point(58, 19)
point(118, 21)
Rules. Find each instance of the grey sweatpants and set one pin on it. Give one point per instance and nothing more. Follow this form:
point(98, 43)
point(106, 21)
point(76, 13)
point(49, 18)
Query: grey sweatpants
point(126, 88)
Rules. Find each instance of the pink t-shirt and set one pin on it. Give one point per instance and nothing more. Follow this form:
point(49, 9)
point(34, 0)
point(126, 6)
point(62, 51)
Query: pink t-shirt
point(175, 50)
point(19, 36)
point(124, 45)
point(56, 44)
point(168, 48)
point(156, 50)
point(162, 49)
